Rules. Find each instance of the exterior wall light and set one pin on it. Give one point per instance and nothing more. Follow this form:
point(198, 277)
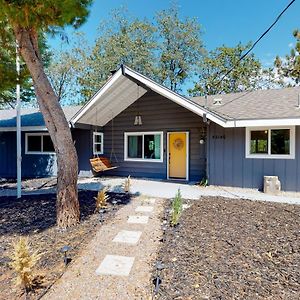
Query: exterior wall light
point(138, 120)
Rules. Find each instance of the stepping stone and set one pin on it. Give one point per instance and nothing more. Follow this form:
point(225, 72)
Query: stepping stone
point(115, 265)
point(138, 219)
point(144, 209)
point(128, 237)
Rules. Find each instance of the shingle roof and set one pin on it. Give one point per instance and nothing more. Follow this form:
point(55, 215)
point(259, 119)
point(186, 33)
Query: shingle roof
point(31, 116)
point(260, 104)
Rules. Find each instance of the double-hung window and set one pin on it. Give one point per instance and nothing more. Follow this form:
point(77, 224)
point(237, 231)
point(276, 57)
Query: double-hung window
point(97, 142)
point(143, 146)
point(274, 142)
point(38, 143)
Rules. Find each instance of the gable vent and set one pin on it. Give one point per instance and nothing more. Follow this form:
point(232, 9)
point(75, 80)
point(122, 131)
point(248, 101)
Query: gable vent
point(217, 101)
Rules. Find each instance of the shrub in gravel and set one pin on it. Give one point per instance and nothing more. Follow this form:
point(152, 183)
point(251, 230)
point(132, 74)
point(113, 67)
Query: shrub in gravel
point(23, 264)
point(127, 184)
point(101, 200)
point(176, 209)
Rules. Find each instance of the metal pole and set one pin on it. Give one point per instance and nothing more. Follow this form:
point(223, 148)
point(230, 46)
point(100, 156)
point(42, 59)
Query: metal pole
point(18, 109)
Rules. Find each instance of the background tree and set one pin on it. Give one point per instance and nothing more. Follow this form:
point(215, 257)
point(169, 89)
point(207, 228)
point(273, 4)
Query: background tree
point(28, 19)
point(288, 68)
point(246, 74)
point(8, 74)
point(122, 40)
point(180, 48)
point(63, 73)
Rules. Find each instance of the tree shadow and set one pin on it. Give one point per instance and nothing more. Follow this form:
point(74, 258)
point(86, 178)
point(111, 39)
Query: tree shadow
point(36, 213)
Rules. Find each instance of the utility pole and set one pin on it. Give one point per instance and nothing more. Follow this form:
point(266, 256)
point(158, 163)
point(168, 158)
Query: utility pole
point(18, 109)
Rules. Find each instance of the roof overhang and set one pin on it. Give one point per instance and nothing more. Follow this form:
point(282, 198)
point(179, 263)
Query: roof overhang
point(24, 128)
point(123, 89)
point(262, 122)
point(126, 86)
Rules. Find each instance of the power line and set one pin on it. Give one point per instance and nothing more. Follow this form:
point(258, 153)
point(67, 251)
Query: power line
point(256, 42)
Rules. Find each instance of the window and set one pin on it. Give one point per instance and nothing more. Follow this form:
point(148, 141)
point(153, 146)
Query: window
point(259, 141)
point(38, 143)
point(270, 142)
point(97, 142)
point(143, 146)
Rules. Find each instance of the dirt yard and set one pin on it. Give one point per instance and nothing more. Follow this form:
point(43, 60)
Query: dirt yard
point(233, 249)
point(34, 216)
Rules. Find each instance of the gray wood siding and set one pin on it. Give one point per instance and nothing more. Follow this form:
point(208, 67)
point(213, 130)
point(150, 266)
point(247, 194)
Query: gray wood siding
point(158, 114)
point(41, 165)
point(228, 165)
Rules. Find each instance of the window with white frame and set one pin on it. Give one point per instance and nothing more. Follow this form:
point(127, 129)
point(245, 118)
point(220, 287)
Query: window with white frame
point(274, 142)
point(38, 143)
point(97, 142)
point(143, 146)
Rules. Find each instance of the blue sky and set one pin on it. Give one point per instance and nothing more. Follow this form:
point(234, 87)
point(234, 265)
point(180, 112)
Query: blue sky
point(223, 21)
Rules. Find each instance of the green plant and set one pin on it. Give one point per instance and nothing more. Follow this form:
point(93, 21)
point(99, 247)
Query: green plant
point(101, 200)
point(176, 209)
point(127, 184)
point(23, 264)
point(204, 182)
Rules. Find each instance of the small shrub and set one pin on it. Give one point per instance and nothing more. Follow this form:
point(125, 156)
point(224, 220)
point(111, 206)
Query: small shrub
point(101, 200)
point(204, 182)
point(176, 209)
point(127, 184)
point(23, 264)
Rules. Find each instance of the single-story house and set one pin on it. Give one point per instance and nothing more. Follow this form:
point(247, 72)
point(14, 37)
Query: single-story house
point(150, 131)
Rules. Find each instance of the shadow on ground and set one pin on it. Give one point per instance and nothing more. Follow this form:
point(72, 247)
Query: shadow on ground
point(36, 213)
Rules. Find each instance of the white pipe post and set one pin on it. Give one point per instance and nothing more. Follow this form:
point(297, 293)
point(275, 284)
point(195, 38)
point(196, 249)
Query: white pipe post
point(18, 109)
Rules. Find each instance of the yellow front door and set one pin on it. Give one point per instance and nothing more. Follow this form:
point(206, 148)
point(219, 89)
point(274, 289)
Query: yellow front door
point(177, 154)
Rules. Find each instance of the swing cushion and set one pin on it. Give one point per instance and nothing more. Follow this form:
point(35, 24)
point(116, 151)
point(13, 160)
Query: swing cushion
point(101, 164)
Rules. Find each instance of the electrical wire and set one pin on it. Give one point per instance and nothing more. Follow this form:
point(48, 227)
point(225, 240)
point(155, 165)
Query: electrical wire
point(256, 42)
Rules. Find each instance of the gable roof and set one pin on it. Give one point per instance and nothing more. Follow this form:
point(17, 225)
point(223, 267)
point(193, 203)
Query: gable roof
point(122, 90)
point(256, 108)
point(31, 118)
point(255, 105)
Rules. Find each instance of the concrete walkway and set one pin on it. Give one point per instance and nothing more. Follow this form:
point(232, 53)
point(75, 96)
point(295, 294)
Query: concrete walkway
point(118, 262)
point(163, 189)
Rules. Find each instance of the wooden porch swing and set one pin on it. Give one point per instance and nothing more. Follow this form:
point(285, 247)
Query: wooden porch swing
point(102, 164)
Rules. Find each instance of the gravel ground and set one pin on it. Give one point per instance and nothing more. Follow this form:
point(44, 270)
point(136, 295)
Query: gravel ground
point(80, 280)
point(233, 249)
point(35, 216)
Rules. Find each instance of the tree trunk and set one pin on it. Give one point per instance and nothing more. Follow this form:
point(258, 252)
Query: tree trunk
point(67, 205)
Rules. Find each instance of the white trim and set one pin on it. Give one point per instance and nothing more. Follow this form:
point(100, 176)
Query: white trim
point(37, 152)
point(269, 155)
point(187, 154)
point(262, 122)
point(143, 133)
point(96, 97)
point(24, 128)
point(95, 133)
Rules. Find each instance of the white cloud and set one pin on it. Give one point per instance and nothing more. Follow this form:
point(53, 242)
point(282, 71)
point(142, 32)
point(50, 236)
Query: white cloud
point(291, 45)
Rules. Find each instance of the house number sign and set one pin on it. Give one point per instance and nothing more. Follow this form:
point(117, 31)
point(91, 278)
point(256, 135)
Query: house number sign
point(218, 137)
